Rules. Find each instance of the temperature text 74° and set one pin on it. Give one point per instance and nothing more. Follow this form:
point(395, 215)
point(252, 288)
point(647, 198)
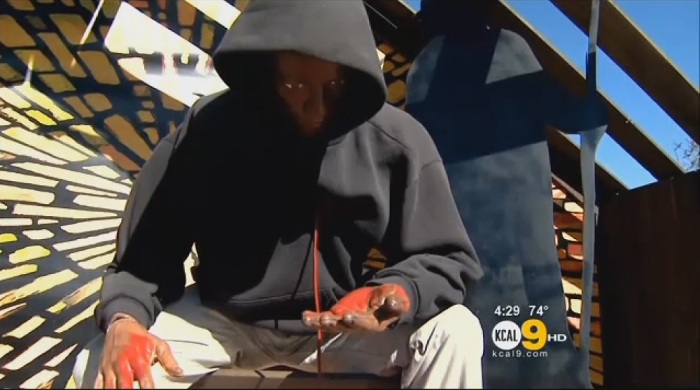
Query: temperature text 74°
point(538, 309)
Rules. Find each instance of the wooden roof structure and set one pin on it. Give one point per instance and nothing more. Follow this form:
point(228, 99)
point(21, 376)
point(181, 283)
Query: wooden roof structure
point(621, 39)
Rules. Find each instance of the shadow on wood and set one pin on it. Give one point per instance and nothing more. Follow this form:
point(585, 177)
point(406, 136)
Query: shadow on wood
point(278, 379)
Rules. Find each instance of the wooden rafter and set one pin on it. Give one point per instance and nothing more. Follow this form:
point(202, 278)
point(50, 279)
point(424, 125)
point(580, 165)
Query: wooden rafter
point(642, 60)
point(409, 36)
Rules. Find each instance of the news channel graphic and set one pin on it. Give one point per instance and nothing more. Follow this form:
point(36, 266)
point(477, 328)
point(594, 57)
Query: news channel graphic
point(527, 340)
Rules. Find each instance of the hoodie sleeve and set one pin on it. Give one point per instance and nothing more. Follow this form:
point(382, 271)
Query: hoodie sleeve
point(429, 252)
point(153, 240)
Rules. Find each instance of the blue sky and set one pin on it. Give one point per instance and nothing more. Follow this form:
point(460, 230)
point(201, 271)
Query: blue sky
point(672, 24)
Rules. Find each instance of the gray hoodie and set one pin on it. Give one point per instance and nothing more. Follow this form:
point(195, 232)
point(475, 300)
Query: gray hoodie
point(237, 182)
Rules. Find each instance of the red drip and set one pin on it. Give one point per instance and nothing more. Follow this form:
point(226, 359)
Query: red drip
point(317, 296)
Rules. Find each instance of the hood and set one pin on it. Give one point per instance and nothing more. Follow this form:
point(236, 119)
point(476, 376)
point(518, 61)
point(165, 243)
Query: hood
point(337, 31)
point(454, 17)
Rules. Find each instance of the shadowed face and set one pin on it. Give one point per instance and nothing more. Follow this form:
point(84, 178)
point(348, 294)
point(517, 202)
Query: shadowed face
point(310, 88)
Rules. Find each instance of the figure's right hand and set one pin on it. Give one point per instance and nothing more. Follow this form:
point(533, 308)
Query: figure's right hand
point(128, 354)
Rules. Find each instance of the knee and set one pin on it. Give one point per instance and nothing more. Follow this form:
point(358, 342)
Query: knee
point(460, 327)
point(459, 319)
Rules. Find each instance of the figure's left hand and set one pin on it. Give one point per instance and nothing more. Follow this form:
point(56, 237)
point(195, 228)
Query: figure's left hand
point(371, 309)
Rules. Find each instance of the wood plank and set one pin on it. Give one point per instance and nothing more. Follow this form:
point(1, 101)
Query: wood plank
point(626, 44)
point(651, 318)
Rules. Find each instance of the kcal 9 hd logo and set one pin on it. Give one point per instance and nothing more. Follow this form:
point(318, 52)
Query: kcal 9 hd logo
point(532, 334)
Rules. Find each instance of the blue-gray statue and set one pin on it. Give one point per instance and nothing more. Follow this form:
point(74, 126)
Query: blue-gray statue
point(485, 99)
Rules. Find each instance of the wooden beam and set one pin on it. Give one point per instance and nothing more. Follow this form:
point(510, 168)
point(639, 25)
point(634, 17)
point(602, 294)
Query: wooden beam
point(642, 60)
point(399, 24)
point(409, 37)
point(564, 154)
point(571, 191)
point(621, 128)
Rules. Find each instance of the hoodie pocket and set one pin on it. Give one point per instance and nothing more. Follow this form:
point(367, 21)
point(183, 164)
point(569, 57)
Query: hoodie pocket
point(288, 306)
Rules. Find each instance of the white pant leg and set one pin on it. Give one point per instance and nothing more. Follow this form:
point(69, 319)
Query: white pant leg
point(201, 340)
point(445, 352)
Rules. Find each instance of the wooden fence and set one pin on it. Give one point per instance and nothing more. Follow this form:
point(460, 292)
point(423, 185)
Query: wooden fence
point(650, 275)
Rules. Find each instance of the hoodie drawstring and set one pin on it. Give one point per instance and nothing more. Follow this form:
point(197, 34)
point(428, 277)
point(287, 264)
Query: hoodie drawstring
point(317, 295)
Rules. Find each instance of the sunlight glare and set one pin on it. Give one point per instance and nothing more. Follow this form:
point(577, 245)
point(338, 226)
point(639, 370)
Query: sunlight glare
point(126, 37)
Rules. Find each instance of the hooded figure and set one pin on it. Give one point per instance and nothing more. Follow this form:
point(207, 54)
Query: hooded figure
point(486, 101)
point(284, 182)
